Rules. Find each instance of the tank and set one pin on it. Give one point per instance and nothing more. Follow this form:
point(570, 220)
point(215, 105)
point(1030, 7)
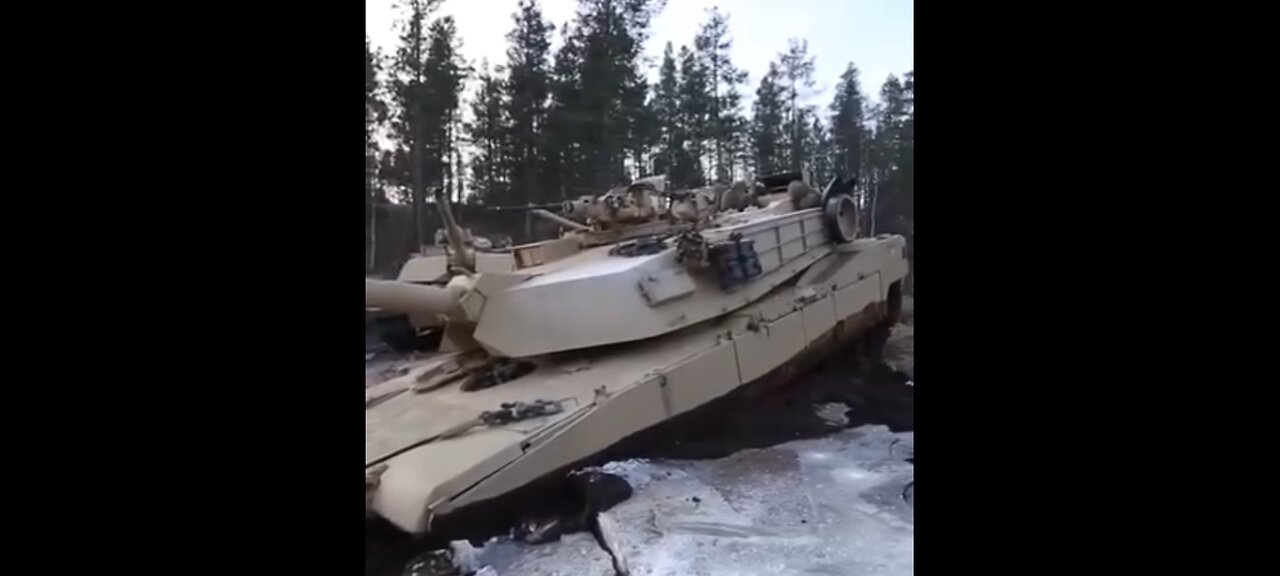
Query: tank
point(651, 304)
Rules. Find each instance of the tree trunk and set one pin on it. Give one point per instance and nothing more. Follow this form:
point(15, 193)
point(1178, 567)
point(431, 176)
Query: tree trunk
point(419, 195)
point(373, 238)
point(368, 210)
point(875, 194)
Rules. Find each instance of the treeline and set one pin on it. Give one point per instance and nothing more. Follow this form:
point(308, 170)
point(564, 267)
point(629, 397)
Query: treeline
point(547, 126)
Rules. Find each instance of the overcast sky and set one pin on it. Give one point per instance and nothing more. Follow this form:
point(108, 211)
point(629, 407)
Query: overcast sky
point(877, 35)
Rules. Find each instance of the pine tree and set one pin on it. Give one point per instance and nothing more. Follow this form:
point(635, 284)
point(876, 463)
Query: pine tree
point(407, 167)
point(767, 123)
point(797, 71)
point(445, 74)
point(613, 33)
point(887, 198)
point(488, 133)
point(732, 137)
point(849, 132)
point(375, 110)
point(713, 44)
point(561, 153)
point(375, 113)
point(595, 105)
point(393, 165)
point(666, 110)
point(819, 151)
point(891, 161)
point(901, 211)
point(743, 148)
point(799, 140)
point(642, 130)
point(527, 90)
point(695, 117)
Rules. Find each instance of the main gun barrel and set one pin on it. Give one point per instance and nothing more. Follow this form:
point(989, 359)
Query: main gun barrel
point(561, 220)
point(414, 299)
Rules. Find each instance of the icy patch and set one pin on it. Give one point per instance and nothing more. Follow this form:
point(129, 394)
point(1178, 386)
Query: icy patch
point(464, 555)
point(852, 475)
point(611, 539)
point(814, 456)
point(835, 413)
point(639, 472)
point(830, 505)
point(573, 555)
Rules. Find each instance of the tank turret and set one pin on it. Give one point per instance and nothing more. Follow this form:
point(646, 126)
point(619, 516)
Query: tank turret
point(646, 262)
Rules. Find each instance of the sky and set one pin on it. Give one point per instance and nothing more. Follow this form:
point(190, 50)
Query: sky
point(876, 35)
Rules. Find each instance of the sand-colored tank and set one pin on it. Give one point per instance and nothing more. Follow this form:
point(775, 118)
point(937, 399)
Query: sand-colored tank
point(653, 303)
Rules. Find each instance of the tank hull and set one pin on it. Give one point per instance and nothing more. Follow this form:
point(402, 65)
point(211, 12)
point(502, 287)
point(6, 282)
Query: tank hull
point(548, 493)
point(613, 396)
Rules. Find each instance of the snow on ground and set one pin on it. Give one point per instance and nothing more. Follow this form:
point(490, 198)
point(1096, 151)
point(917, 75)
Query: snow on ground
point(575, 554)
point(831, 505)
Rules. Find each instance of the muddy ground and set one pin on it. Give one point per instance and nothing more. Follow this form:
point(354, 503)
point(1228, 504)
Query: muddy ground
point(816, 478)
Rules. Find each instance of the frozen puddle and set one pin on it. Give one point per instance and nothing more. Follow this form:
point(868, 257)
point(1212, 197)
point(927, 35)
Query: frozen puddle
point(831, 505)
